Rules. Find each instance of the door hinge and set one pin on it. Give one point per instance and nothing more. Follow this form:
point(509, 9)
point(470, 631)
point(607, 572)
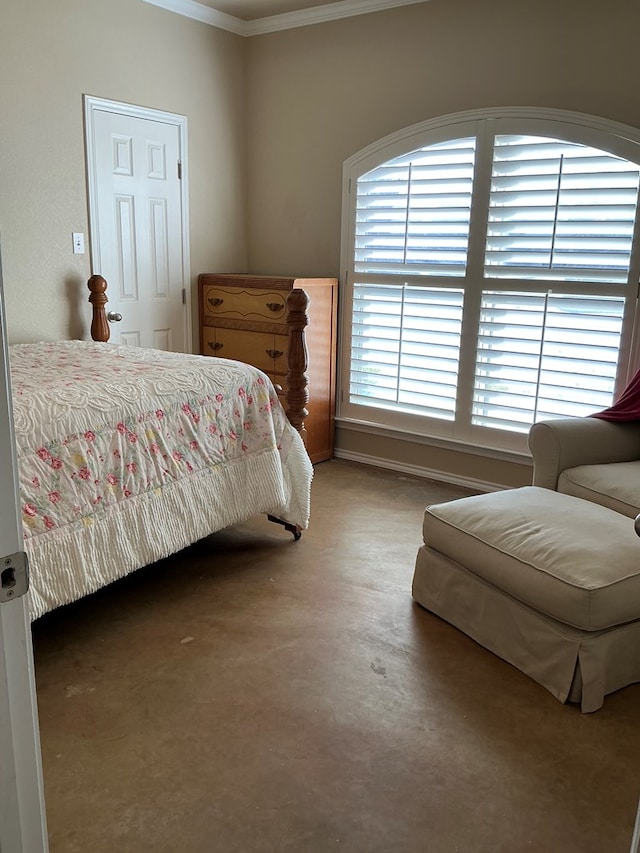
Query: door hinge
point(184, 295)
point(179, 170)
point(14, 576)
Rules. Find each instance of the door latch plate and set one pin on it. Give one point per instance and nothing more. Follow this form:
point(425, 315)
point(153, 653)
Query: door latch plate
point(14, 576)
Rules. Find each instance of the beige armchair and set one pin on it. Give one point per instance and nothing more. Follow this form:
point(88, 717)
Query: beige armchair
point(589, 458)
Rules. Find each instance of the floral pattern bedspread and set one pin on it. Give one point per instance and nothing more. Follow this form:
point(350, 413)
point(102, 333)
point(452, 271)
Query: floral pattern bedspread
point(99, 426)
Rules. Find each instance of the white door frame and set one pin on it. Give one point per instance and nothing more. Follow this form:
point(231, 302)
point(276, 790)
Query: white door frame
point(22, 813)
point(91, 106)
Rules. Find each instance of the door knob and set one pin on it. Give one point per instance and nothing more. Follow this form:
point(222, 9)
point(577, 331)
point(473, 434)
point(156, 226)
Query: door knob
point(114, 317)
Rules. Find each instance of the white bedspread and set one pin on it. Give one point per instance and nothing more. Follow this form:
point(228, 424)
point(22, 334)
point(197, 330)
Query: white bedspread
point(126, 455)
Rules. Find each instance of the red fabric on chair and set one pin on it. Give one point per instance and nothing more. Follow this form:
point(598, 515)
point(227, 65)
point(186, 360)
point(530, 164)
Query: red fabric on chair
point(627, 406)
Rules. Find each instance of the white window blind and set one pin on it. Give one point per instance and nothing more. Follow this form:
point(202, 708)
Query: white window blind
point(544, 356)
point(406, 347)
point(413, 212)
point(538, 235)
point(559, 210)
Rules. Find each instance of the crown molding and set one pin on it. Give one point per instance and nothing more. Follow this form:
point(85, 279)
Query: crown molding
point(321, 14)
point(286, 21)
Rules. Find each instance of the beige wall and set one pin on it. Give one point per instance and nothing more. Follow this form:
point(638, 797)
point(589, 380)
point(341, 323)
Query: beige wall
point(51, 53)
point(317, 95)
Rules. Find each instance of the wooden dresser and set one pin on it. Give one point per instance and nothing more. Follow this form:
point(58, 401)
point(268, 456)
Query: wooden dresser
point(246, 317)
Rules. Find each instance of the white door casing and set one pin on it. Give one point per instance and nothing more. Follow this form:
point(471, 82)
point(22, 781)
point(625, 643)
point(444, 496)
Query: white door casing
point(136, 173)
point(22, 812)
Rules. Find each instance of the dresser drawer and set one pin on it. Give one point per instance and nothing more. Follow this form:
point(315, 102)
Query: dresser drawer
point(238, 304)
point(266, 351)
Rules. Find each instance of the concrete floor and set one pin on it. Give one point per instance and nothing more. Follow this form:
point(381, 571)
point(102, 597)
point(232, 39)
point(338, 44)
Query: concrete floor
point(258, 695)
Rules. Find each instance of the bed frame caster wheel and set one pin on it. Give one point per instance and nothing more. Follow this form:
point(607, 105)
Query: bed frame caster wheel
point(292, 528)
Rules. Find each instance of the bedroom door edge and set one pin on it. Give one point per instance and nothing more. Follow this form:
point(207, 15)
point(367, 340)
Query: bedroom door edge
point(22, 809)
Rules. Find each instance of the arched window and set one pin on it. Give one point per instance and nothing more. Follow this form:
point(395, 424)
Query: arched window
point(491, 268)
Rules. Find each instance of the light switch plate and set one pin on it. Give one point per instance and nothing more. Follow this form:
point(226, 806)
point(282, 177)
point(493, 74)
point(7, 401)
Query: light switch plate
point(78, 243)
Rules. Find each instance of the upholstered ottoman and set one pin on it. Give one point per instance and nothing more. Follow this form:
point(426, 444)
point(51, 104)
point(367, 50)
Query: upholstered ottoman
point(547, 581)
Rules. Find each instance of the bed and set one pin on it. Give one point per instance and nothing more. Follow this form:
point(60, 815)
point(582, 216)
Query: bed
point(127, 455)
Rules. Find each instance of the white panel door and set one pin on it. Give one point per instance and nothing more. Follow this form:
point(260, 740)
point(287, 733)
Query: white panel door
point(137, 225)
point(22, 815)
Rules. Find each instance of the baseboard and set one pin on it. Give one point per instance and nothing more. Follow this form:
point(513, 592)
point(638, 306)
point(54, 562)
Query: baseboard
point(418, 471)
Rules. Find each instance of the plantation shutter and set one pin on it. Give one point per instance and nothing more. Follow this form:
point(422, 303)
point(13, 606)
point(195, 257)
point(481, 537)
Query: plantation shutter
point(542, 355)
point(559, 211)
point(412, 217)
point(406, 347)
point(525, 242)
point(412, 213)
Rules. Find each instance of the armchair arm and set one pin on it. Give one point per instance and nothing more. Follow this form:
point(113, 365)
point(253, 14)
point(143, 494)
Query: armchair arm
point(568, 442)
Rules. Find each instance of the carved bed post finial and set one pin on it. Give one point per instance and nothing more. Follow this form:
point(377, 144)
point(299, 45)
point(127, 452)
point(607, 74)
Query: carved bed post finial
point(297, 395)
point(100, 330)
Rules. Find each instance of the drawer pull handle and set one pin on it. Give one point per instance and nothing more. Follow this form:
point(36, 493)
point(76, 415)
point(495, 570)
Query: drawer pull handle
point(275, 306)
point(274, 353)
point(215, 346)
point(214, 301)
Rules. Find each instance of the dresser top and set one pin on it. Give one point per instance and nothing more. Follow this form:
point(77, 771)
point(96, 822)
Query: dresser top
point(263, 281)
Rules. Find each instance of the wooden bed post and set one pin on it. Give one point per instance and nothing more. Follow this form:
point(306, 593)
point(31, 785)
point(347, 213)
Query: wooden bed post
point(99, 325)
point(297, 395)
